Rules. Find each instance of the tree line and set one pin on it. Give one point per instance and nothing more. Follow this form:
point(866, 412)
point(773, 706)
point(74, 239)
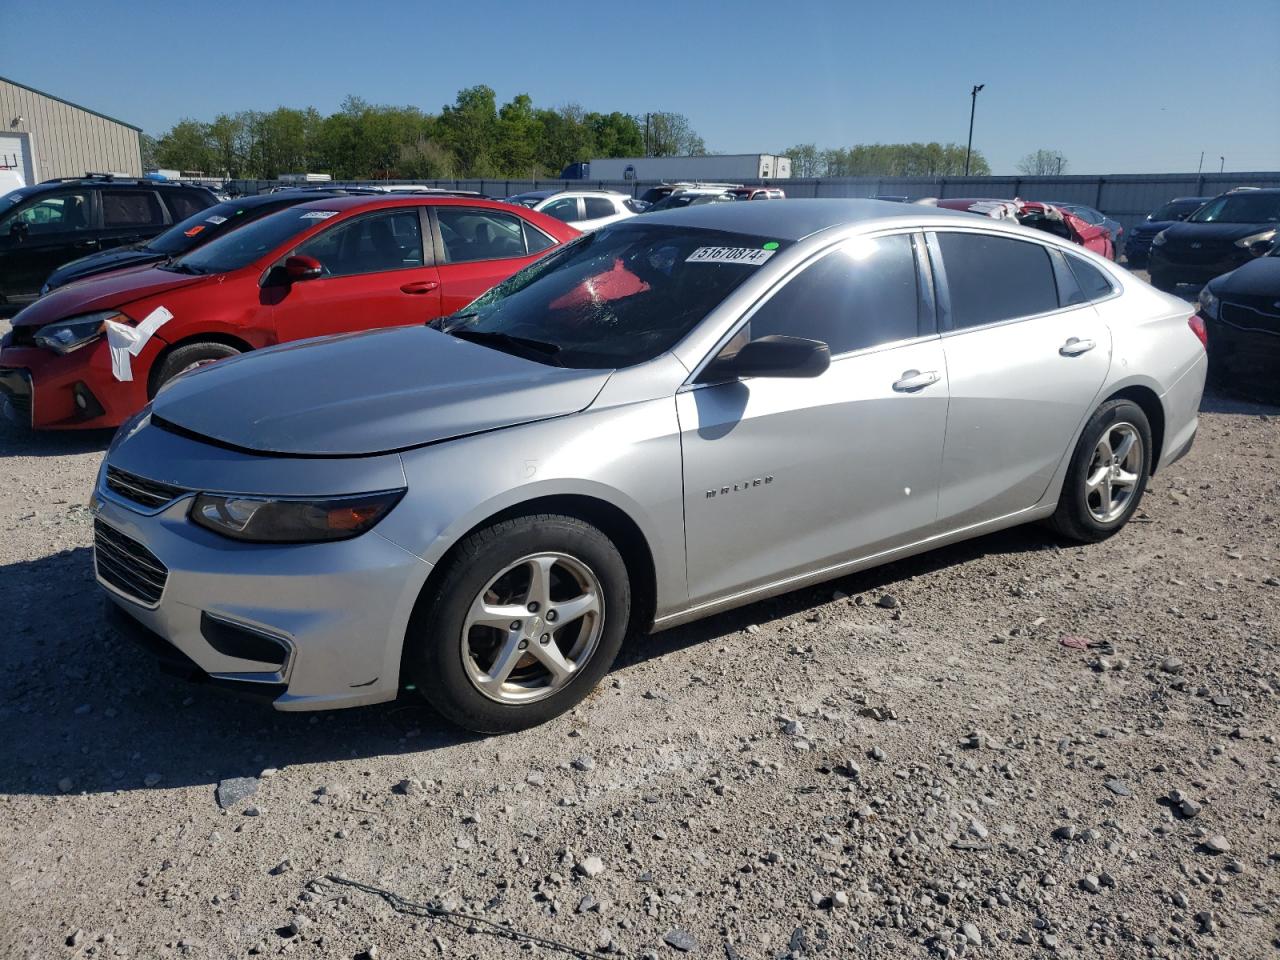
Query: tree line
point(885, 160)
point(472, 137)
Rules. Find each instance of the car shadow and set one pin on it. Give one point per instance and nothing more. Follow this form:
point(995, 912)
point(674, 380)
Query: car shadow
point(1216, 400)
point(85, 710)
point(19, 441)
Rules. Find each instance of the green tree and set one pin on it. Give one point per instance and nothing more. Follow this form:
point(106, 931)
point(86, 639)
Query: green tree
point(614, 135)
point(806, 161)
point(671, 135)
point(469, 128)
point(185, 147)
point(147, 147)
point(518, 136)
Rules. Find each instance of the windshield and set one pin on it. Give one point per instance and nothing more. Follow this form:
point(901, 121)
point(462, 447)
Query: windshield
point(613, 298)
point(198, 228)
point(1175, 209)
point(239, 248)
point(9, 199)
point(1248, 207)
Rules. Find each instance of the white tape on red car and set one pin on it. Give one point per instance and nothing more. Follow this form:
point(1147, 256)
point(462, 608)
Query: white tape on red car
point(127, 342)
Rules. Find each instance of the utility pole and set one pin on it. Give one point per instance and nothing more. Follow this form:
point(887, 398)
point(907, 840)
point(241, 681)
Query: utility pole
point(1200, 169)
point(972, 109)
point(1059, 164)
point(646, 135)
point(1222, 162)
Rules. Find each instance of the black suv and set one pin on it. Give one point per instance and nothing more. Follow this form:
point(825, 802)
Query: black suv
point(1227, 232)
point(45, 226)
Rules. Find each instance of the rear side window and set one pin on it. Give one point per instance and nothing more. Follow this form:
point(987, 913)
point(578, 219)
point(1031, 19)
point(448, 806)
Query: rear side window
point(599, 207)
point(185, 203)
point(472, 234)
point(131, 208)
point(535, 240)
point(1095, 284)
point(990, 279)
point(862, 294)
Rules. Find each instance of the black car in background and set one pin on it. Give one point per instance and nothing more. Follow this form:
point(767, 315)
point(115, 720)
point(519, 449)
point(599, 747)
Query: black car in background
point(1241, 311)
point(192, 232)
point(44, 226)
point(1138, 246)
point(1225, 233)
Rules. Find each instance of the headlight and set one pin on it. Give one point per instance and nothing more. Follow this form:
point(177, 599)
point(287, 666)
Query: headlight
point(67, 335)
point(1208, 303)
point(1159, 239)
point(280, 520)
point(1266, 236)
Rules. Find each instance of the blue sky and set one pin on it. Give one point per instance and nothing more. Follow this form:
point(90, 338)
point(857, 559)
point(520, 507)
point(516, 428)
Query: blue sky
point(1117, 87)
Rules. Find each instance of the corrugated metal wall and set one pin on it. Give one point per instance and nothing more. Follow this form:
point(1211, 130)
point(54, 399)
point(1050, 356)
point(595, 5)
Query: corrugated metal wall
point(1127, 198)
point(67, 140)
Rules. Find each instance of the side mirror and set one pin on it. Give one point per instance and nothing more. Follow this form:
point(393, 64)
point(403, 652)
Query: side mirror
point(774, 356)
point(297, 269)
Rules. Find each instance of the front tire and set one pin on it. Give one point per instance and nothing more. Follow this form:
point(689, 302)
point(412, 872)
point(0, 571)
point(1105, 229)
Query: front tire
point(1107, 475)
point(528, 617)
point(187, 357)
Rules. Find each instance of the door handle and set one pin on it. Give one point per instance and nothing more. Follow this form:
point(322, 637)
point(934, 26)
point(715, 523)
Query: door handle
point(420, 286)
point(913, 380)
point(85, 244)
point(1075, 346)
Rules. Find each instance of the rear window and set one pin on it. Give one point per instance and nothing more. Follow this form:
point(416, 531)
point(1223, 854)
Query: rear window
point(131, 208)
point(185, 203)
point(990, 279)
point(239, 248)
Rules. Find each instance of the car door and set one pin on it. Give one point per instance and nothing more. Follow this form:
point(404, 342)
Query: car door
point(785, 476)
point(598, 211)
point(40, 235)
point(1026, 357)
point(480, 247)
point(375, 274)
point(130, 216)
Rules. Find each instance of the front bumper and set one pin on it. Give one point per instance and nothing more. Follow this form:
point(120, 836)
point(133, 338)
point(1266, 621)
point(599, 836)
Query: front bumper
point(77, 391)
point(1246, 360)
point(1180, 269)
point(336, 612)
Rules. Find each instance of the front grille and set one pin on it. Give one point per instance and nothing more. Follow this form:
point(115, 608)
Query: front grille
point(147, 493)
point(127, 565)
point(1247, 318)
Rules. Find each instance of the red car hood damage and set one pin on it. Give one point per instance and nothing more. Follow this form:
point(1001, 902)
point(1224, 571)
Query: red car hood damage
point(109, 291)
point(1041, 216)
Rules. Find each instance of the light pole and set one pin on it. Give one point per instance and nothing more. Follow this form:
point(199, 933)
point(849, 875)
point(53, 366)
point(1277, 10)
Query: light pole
point(1222, 162)
point(1059, 164)
point(972, 108)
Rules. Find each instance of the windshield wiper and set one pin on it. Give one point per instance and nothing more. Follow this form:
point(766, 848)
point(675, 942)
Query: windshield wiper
point(534, 349)
point(440, 323)
point(179, 267)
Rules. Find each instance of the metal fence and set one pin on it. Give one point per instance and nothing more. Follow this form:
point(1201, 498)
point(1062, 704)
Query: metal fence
point(1127, 198)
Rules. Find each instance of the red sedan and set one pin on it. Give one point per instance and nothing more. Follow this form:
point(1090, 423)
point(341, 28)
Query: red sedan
point(92, 353)
point(1042, 216)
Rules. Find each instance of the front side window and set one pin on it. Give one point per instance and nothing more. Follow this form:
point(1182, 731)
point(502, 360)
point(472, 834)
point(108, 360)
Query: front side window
point(862, 294)
point(598, 207)
point(54, 213)
point(565, 209)
point(990, 279)
point(391, 240)
point(131, 208)
point(473, 234)
point(613, 298)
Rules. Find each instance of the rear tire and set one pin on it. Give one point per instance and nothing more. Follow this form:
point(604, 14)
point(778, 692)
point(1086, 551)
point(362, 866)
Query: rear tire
point(457, 661)
point(1107, 475)
point(183, 358)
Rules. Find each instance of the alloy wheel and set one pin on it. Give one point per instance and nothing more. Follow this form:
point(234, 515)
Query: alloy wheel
point(1114, 472)
point(532, 628)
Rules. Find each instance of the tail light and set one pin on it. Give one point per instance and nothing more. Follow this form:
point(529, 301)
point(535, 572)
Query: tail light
point(1196, 323)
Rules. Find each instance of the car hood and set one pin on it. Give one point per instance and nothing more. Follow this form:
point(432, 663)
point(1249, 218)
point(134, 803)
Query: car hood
point(1185, 233)
point(103, 262)
point(366, 393)
point(1149, 228)
point(1257, 283)
point(108, 292)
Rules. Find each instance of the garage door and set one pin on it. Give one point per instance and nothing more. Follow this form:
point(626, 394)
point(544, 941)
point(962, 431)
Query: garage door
point(15, 154)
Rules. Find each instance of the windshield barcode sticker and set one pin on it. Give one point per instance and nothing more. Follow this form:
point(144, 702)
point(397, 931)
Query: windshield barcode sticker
point(748, 255)
point(318, 215)
point(215, 219)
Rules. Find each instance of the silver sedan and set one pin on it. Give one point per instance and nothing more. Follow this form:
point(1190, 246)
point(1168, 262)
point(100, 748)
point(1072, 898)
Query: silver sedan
point(669, 417)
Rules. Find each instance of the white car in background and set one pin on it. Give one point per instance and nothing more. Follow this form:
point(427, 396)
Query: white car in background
point(582, 209)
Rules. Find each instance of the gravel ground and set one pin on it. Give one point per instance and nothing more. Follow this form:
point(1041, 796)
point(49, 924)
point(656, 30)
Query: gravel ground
point(908, 761)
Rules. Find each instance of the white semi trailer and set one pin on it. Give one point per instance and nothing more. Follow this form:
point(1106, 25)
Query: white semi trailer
point(725, 167)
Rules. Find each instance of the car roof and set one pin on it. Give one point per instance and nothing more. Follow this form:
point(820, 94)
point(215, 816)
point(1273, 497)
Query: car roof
point(794, 219)
point(342, 203)
point(93, 181)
